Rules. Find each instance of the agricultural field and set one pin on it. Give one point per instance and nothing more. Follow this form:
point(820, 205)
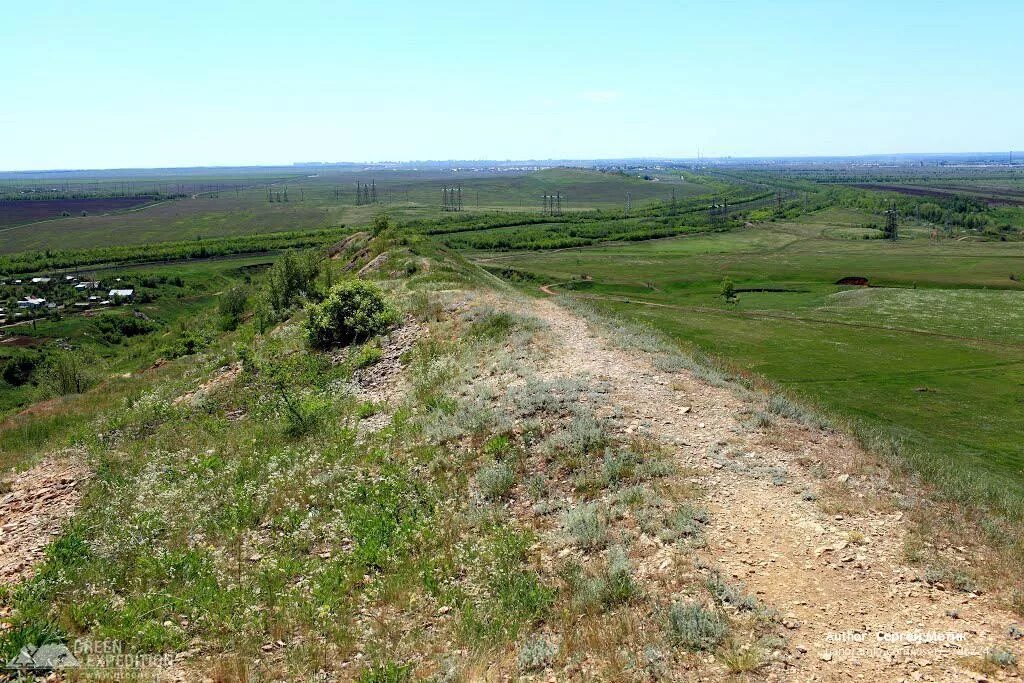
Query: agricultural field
point(21, 211)
point(932, 351)
point(318, 200)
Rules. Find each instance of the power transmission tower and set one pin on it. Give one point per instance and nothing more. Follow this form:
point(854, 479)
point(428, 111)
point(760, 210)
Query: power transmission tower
point(892, 222)
point(718, 212)
point(629, 202)
point(451, 198)
point(552, 204)
point(373, 191)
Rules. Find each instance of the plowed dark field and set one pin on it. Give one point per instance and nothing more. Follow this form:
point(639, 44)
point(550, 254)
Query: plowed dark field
point(917, 191)
point(19, 211)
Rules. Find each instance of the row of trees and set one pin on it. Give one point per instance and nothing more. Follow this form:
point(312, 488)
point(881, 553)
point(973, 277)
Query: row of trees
point(50, 259)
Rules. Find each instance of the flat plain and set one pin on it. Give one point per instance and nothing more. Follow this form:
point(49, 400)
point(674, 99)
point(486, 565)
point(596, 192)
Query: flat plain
point(932, 351)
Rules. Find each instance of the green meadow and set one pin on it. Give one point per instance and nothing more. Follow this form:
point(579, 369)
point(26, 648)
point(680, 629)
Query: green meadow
point(931, 354)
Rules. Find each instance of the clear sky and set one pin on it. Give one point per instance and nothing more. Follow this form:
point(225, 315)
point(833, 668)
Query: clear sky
point(94, 84)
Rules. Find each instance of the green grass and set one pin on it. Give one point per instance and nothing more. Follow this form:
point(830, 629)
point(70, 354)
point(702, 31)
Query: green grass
point(181, 302)
point(935, 357)
point(215, 521)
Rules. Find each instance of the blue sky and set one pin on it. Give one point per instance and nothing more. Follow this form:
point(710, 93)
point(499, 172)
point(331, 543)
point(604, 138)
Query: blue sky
point(93, 84)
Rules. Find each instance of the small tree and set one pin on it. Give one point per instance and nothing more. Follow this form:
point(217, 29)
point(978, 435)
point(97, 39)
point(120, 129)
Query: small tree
point(232, 306)
point(291, 278)
point(728, 291)
point(381, 222)
point(353, 311)
point(66, 372)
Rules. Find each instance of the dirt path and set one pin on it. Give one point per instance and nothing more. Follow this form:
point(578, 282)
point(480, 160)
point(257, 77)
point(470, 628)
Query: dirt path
point(851, 607)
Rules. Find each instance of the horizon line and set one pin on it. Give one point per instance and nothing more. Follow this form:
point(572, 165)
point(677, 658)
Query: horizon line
point(1008, 154)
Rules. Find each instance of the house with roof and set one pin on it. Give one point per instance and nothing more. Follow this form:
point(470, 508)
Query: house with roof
point(121, 293)
point(31, 302)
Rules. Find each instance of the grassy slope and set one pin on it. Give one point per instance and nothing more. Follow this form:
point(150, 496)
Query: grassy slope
point(274, 544)
point(864, 354)
point(227, 532)
point(174, 309)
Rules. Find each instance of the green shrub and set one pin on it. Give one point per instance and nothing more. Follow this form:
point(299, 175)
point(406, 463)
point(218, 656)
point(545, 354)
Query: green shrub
point(537, 653)
point(232, 306)
point(66, 372)
point(695, 628)
point(367, 355)
point(353, 311)
point(291, 279)
point(612, 585)
point(190, 341)
point(386, 672)
point(728, 291)
point(113, 328)
point(18, 370)
point(587, 526)
point(1001, 658)
point(496, 480)
point(619, 584)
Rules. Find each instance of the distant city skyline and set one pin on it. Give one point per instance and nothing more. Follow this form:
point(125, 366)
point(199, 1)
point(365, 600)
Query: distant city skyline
point(123, 85)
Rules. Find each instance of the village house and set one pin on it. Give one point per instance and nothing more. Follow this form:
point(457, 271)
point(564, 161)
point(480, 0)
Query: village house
point(121, 293)
point(31, 302)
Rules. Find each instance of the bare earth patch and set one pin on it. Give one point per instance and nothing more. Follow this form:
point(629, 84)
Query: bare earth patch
point(32, 512)
point(226, 375)
point(383, 382)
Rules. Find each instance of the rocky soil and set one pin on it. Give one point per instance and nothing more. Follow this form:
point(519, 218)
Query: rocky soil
point(799, 520)
point(33, 510)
